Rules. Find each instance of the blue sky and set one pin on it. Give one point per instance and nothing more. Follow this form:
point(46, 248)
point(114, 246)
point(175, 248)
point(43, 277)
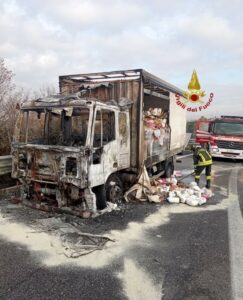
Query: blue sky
point(43, 39)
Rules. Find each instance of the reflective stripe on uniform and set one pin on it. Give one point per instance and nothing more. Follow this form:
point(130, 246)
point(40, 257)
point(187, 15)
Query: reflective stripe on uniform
point(206, 163)
point(205, 154)
point(208, 177)
point(205, 158)
point(197, 177)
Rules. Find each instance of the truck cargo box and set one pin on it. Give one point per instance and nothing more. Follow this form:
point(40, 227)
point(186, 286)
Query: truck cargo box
point(146, 91)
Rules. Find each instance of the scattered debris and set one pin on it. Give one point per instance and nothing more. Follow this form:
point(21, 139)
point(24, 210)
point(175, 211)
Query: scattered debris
point(71, 241)
point(109, 208)
point(167, 189)
point(82, 243)
point(15, 200)
point(144, 190)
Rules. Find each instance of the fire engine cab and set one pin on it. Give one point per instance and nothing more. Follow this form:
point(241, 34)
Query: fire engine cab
point(224, 136)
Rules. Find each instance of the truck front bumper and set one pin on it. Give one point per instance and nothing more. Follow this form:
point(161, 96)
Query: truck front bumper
point(227, 153)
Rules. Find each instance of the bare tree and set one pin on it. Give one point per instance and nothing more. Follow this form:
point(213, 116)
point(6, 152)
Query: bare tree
point(6, 81)
point(44, 91)
point(10, 97)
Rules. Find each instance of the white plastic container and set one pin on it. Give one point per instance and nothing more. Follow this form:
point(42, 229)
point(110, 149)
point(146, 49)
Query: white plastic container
point(202, 201)
point(173, 200)
point(192, 184)
point(196, 188)
point(198, 194)
point(192, 201)
point(172, 194)
point(183, 199)
point(190, 192)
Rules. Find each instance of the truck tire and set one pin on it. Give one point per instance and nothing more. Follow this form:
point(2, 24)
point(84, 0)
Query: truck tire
point(114, 189)
point(169, 168)
point(100, 196)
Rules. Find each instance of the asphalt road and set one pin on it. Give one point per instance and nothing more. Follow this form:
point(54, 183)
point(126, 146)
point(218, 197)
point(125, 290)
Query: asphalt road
point(164, 251)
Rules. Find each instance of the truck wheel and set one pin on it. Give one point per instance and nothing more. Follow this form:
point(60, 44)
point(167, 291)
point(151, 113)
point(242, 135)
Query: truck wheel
point(169, 169)
point(114, 189)
point(100, 196)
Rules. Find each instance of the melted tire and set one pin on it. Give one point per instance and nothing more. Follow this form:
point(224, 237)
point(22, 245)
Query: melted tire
point(114, 189)
point(100, 196)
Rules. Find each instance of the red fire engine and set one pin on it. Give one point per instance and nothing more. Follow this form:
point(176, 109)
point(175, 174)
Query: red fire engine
point(224, 136)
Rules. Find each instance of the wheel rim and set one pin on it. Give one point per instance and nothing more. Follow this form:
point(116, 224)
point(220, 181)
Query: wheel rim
point(115, 195)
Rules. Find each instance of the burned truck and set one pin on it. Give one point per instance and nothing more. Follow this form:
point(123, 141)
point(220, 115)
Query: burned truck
point(83, 147)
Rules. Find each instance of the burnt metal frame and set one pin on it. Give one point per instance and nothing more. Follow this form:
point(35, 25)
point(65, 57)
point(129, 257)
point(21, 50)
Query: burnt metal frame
point(150, 81)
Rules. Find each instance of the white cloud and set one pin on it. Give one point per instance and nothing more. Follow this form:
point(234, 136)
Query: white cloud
point(208, 29)
point(43, 39)
point(46, 61)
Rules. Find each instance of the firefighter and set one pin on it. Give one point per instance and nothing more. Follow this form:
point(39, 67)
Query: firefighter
point(202, 160)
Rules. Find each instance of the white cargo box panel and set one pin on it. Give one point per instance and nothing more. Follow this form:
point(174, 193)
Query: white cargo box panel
point(177, 121)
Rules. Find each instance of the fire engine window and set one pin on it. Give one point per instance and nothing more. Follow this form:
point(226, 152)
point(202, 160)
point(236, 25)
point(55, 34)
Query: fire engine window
point(203, 126)
point(228, 128)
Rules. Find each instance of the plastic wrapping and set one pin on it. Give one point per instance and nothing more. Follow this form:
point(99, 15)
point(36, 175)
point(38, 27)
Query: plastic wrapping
point(173, 199)
point(192, 184)
point(192, 201)
point(160, 189)
point(202, 201)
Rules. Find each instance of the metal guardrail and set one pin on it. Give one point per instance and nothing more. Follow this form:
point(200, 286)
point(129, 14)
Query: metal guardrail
point(5, 164)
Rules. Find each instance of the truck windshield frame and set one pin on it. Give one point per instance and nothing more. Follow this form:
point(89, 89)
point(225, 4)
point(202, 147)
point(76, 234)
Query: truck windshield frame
point(65, 126)
point(228, 128)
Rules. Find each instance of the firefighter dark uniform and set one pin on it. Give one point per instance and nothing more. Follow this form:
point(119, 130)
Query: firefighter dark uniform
point(202, 160)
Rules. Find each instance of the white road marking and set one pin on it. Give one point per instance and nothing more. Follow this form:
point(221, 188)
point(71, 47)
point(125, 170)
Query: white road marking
point(183, 156)
point(236, 238)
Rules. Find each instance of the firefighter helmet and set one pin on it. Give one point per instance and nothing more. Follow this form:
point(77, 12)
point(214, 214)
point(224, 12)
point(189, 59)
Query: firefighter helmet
point(195, 147)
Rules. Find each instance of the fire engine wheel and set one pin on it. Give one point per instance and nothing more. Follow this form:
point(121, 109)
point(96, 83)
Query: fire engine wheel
point(114, 190)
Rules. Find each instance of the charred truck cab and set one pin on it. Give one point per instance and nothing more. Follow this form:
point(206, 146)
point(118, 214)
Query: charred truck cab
point(79, 149)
